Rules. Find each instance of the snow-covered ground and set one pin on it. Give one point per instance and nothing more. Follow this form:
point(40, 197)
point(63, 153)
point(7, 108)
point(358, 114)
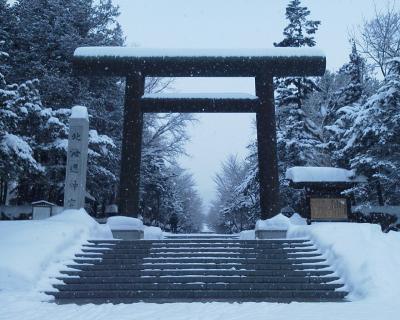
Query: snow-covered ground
point(32, 251)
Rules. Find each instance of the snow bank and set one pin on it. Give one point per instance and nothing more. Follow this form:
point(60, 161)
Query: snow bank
point(279, 222)
point(296, 219)
point(79, 112)
point(366, 259)
point(124, 223)
point(29, 248)
point(322, 174)
point(247, 235)
point(127, 52)
point(152, 233)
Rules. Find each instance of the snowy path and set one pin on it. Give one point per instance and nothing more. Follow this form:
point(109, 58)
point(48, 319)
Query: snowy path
point(27, 307)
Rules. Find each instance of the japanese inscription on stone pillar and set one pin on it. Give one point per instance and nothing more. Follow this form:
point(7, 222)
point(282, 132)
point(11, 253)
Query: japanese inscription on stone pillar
point(75, 178)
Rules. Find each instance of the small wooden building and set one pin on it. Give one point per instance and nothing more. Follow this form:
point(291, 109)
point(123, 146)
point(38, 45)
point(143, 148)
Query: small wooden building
point(43, 209)
point(324, 191)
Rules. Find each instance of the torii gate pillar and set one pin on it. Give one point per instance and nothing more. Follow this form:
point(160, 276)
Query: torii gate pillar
point(267, 149)
point(131, 147)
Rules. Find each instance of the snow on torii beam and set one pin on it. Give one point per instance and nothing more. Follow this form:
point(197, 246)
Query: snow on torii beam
point(123, 61)
point(136, 63)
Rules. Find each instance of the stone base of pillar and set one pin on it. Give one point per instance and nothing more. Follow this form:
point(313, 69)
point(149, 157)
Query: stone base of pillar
point(270, 234)
point(128, 234)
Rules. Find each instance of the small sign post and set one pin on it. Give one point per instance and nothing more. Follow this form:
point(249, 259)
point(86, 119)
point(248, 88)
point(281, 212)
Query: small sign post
point(75, 178)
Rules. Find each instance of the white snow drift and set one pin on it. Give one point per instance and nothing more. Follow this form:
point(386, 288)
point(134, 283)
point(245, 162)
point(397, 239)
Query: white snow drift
point(28, 248)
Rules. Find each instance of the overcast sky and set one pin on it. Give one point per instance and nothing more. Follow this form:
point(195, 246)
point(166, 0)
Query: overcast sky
point(232, 24)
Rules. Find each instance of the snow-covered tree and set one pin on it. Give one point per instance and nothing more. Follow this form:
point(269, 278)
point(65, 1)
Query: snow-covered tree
point(44, 36)
point(298, 137)
point(191, 217)
point(342, 106)
point(102, 156)
point(229, 217)
point(46, 132)
point(41, 37)
point(16, 154)
point(299, 32)
point(164, 137)
point(297, 133)
point(373, 140)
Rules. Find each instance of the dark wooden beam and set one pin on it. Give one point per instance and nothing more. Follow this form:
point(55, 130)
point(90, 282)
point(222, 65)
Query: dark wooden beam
point(267, 148)
point(118, 62)
point(131, 147)
point(199, 105)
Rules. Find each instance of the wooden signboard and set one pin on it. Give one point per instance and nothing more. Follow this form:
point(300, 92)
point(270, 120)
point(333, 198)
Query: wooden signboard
point(329, 209)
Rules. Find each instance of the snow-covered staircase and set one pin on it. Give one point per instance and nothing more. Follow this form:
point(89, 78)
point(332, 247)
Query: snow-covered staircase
point(198, 268)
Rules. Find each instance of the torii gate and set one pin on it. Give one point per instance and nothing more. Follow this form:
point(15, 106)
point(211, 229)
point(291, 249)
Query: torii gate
point(135, 64)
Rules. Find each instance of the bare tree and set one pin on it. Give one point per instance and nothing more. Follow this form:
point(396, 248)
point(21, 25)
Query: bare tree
point(379, 38)
point(165, 133)
point(156, 84)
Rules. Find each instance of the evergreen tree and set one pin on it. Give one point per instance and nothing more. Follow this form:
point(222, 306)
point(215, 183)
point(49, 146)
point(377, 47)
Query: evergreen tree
point(299, 32)
point(7, 20)
point(46, 132)
point(297, 134)
point(373, 139)
point(44, 35)
point(44, 39)
point(298, 137)
point(342, 106)
point(102, 156)
point(16, 155)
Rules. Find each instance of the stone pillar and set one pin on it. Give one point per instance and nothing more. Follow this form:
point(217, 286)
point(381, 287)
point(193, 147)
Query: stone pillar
point(267, 149)
point(75, 178)
point(129, 182)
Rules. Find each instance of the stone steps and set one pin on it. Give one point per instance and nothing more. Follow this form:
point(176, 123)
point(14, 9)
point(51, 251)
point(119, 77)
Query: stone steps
point(196, 266)
point(197, 260)
point(194, 255)
point(185, 269)
point(196, 286)
point(192, 279)
point(199, 241)
point(186, 272)
point(196, 251)
point(211, 294)
point(201, 237)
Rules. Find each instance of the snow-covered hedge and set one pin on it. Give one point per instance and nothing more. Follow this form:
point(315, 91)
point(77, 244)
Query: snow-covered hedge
point(388, 217)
